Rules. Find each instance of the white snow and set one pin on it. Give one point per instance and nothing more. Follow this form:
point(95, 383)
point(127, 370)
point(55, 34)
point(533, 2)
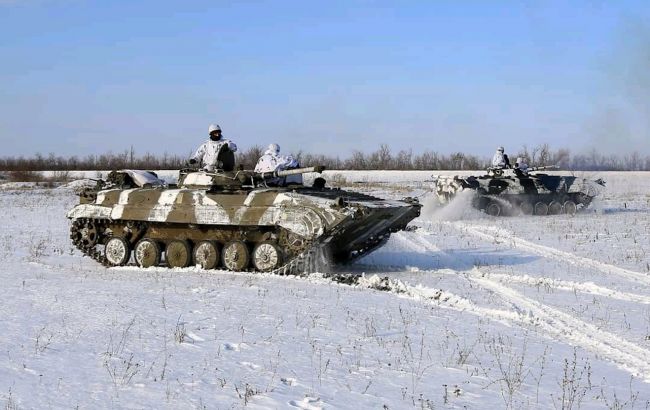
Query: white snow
point(78, 184)
point(476, 312)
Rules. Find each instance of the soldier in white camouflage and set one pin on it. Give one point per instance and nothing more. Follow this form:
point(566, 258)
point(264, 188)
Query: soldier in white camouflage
point(500, 160)
point(207, 155)
point(521, 167)
point(272, 161)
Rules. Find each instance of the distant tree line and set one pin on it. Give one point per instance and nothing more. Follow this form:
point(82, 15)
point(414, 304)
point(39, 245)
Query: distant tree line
point(382, 158)
point(126, 159)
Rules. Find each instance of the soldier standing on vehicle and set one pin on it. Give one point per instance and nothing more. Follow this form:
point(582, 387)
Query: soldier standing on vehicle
point(521, 168)
point(207, 155)
point(500, 160)
point(272, 161)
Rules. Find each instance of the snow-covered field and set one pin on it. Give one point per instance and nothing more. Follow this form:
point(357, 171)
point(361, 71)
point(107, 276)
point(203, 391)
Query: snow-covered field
point(519, 312)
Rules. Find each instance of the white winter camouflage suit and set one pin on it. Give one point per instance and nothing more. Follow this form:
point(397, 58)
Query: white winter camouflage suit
point(208, 152)
point(498, 161)
point(271, 161)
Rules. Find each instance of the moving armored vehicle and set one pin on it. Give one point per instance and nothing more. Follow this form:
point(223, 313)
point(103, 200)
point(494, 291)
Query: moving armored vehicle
point(238, 220)
point(512, 191)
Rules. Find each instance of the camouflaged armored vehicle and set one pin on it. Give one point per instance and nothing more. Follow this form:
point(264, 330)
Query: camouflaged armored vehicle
point(511, 191)
point(231, 219)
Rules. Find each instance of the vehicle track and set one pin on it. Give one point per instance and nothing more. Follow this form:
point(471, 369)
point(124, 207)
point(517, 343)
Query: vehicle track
point(548, 320)
point(418, 242)
point(502, 236)
point(583, 287)
point(527, 312)
point(557, 324)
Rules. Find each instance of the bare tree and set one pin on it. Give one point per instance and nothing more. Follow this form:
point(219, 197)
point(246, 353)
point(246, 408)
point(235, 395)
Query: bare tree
point(403, 160)
point(544, 154)
point(357, 161)
point(384, 157)
point(250, 157)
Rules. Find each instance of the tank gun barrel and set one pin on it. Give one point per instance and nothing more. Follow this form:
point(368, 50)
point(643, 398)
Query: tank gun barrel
point(542, 168)
point(296, 171)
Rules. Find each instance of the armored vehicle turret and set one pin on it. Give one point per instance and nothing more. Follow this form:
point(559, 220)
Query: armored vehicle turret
point(237, 220)
point(514, 191)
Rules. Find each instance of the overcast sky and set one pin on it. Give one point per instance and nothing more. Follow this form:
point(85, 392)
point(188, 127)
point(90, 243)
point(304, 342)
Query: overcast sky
point(81, 77)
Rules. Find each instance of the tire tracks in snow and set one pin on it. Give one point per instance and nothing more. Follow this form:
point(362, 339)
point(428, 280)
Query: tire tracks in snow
point(583, 287)
point(420, 243)
point(555, 323)
point(500, 235)
point(434, 297)
point(525, 312)
point(530, 313)
point(551, 321)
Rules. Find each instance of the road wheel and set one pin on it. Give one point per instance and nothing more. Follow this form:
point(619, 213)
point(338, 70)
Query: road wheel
point(527, 208)
point(235, 256)
point(89, 235)
point(493, 209)
point(267, 256)
point(147, 253)
point(570, 208)
point(117, 251)
point(178, 254)
point(555, 208)
point(206, 255)
point(541, 208)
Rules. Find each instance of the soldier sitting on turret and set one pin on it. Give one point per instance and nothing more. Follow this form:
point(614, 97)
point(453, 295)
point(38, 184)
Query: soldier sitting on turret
point(521, 168)
point(272, 161)
point(207, 155)
point(500, 160)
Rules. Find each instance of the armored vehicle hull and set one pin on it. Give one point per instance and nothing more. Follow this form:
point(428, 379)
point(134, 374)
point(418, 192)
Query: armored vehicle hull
point(232, 224)
point(508, 192)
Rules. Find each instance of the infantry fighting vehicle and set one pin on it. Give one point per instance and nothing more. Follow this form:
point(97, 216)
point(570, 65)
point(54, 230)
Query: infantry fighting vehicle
point(231, 219)
point(511, 191)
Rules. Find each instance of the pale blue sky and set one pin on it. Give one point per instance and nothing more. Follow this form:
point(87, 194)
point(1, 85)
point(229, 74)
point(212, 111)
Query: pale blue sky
point(80, 77)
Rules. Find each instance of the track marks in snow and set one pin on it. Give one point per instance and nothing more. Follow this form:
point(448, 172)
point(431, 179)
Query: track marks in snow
point(556, 323)
point(420, 243)
point(436, 297)
point(529, 312)
point(583, 287)
point(500, 235)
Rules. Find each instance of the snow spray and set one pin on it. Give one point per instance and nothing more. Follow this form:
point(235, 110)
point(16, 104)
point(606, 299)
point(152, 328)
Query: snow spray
point(460, 207)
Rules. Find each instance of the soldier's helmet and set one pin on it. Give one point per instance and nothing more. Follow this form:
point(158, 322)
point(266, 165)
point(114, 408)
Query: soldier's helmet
point(275, 148)
point(213, 127)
